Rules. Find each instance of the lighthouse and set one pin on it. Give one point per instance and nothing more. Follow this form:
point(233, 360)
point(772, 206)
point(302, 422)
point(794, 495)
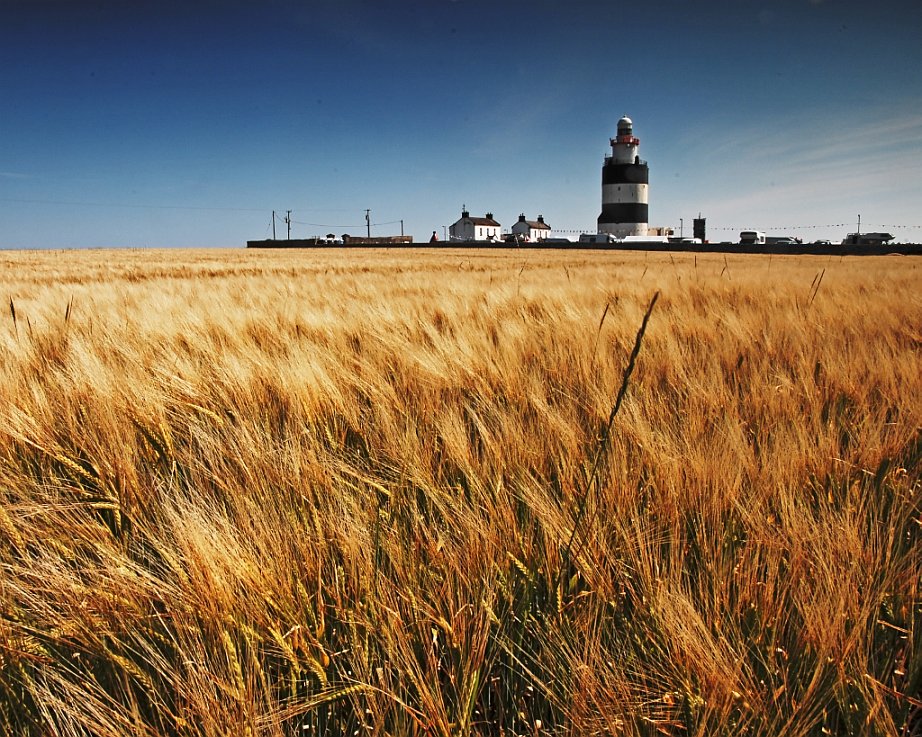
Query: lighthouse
point(625, 180)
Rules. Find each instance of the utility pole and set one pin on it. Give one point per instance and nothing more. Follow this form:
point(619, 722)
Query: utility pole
point(401, 227)
point(273, 225)
point(681, 227)
point(444, 232)
point(859, 223)
point(368, 221)
point(288, 222)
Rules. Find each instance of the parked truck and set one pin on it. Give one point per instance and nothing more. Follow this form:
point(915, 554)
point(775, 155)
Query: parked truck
point(866, 239)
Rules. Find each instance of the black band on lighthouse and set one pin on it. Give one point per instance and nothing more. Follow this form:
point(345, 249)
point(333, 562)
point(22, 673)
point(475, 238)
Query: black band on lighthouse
point(625, 174)
point(623, 213)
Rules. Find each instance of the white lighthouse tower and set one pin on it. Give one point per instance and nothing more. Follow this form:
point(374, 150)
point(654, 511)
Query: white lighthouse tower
point(625, 181)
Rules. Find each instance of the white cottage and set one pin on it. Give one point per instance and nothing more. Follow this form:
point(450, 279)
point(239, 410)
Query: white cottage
point(476, 229)
point(531, 231)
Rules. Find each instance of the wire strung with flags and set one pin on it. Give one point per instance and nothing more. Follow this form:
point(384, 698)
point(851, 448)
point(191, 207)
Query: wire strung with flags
point(864, 226)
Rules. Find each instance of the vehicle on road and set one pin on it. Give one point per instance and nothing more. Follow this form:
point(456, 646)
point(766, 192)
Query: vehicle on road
point(752, 238)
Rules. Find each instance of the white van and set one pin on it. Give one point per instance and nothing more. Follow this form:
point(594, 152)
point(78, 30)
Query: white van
point(598, 238)
point(752, 238)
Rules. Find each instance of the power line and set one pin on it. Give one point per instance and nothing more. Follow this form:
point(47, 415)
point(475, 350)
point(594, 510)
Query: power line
point(75, 203)
point(126, 205)
point(346, 225)
point(199, 208)
point(330, 225)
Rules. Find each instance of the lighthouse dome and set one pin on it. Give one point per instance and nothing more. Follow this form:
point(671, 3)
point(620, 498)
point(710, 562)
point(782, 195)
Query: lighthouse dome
point(625, 125)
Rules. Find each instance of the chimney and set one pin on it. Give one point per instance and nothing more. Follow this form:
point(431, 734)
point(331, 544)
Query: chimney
point(522, 218)
point(489, 216)
point(465, 214)
point(541, 219)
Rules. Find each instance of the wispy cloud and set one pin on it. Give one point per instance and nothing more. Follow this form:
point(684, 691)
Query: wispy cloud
point(833, 138)
point(14, 175)
point(832, 142)
point(810, 168)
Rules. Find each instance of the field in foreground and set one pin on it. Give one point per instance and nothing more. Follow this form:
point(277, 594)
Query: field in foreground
point(266, 493)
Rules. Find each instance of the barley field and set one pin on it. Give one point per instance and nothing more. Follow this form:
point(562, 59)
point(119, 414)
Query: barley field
point(459, 492)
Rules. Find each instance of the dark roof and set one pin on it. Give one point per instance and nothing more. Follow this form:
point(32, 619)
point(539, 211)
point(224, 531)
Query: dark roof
point(484, 221)
point(534, 225)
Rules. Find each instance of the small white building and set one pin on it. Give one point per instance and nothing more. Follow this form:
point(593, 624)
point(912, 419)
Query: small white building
point(475, 229)
point(531, 231)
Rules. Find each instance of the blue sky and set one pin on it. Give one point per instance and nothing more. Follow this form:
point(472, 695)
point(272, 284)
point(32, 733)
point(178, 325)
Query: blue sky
point(185, 124)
